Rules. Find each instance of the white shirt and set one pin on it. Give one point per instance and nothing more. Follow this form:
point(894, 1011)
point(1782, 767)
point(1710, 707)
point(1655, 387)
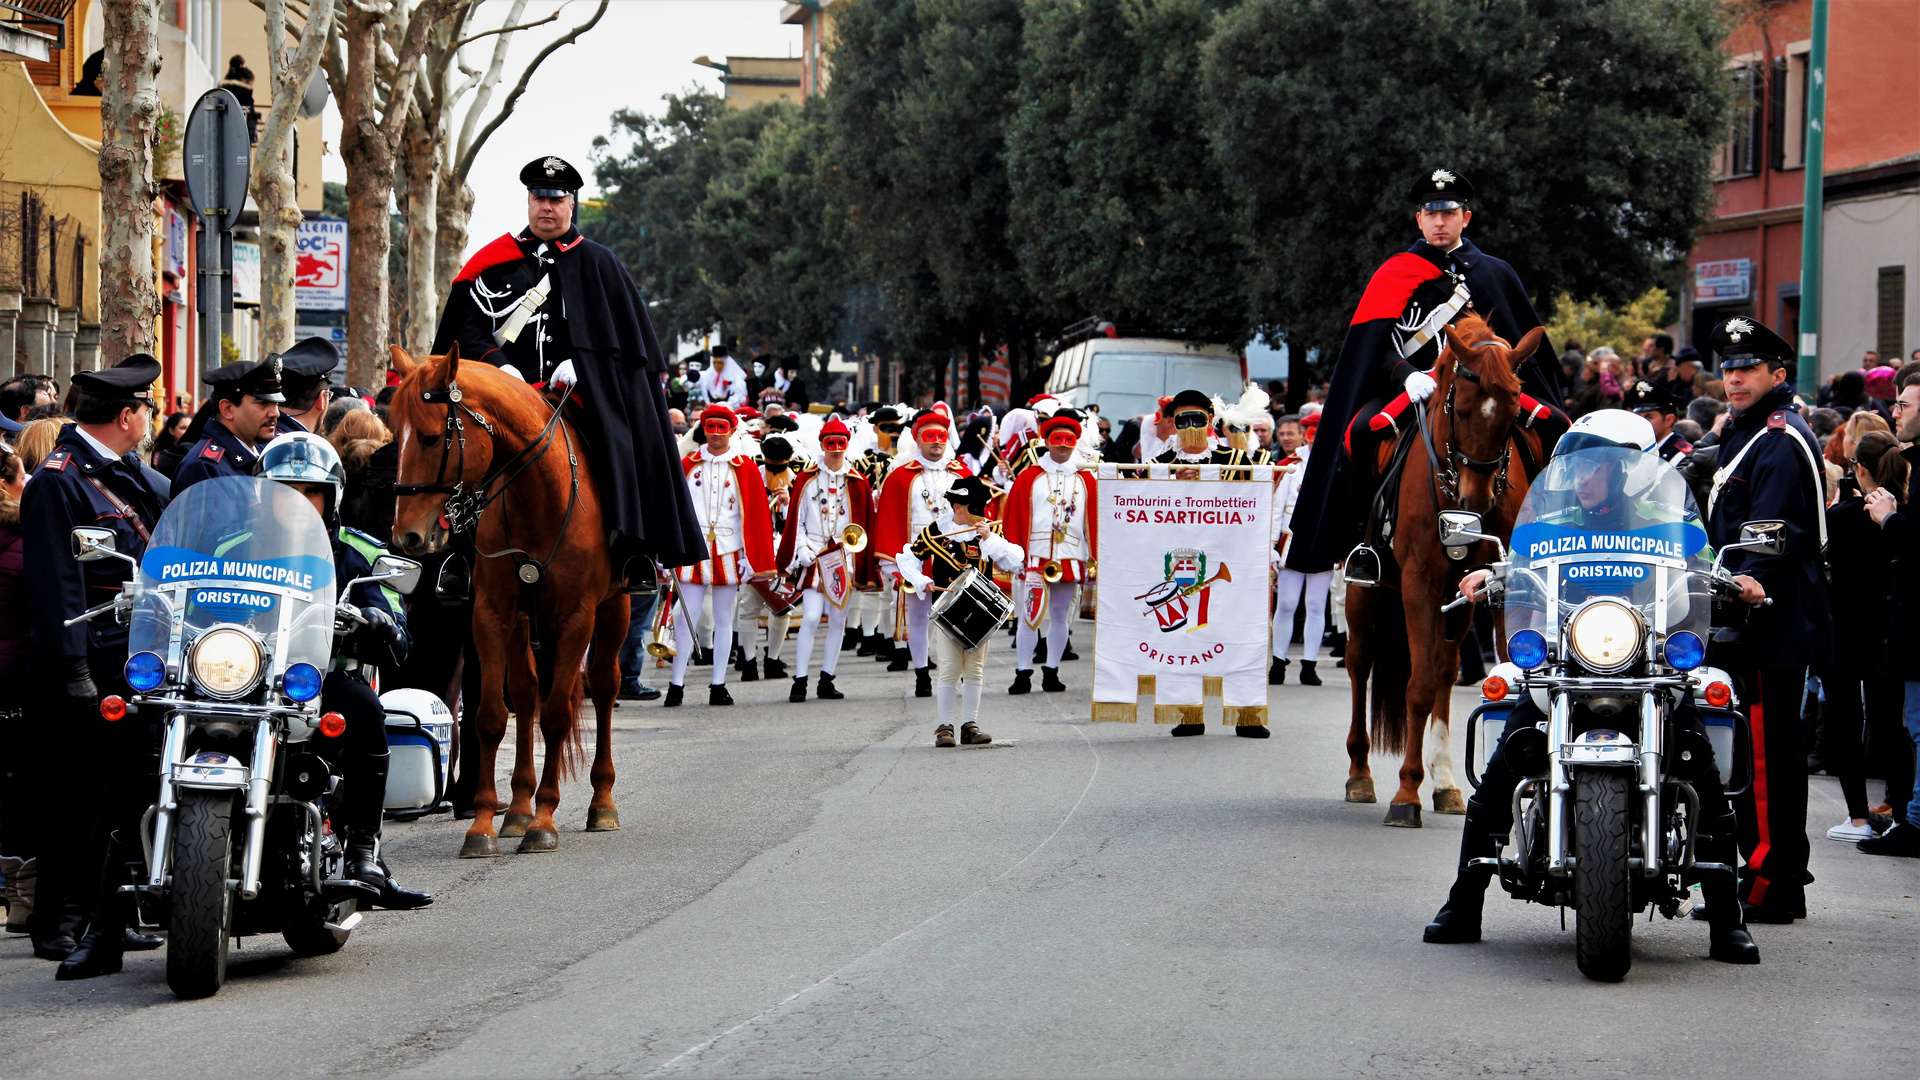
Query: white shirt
point(1059, 500)
point(1002, 552)
point(725, 382)
point(823, 514)
point(716, 501)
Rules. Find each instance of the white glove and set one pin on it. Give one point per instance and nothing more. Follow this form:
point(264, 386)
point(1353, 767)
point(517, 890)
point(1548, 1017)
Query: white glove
point(563, 376)
point(1420, 386)
point(513, 371)
point(803, 557)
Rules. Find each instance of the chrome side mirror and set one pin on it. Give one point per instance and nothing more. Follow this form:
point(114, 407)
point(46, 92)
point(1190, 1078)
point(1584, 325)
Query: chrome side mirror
point(92, 543)
point(1459, 527)
point(1767, 537)
point(402, 575)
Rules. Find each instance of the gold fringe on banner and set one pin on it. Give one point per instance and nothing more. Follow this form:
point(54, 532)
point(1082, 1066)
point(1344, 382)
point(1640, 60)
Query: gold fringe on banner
point(1179, 714)
point(1211, 686)
point(1125, 712)
point(1146, 686)
point(1244, 716)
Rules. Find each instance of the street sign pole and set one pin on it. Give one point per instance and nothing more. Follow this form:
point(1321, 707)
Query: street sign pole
point(217, 151)
point(1813, 203)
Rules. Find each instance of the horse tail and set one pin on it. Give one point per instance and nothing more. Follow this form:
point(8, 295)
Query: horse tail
point(574, 750)
point(1392, 671)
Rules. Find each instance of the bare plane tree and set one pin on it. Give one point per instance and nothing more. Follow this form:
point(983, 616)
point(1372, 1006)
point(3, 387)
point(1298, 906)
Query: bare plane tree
point(293, 58)
point(129, 113)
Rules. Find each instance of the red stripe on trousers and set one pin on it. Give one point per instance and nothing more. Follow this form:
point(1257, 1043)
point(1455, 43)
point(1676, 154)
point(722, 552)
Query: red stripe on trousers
point(1757, 862)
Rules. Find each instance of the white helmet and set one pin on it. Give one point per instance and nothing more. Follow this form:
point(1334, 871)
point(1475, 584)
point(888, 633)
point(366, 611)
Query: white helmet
point(298, 457)
point(1607, 427)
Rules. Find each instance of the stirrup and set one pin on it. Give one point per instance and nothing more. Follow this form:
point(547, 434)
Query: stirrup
point(1363, 566)
point(454, 584)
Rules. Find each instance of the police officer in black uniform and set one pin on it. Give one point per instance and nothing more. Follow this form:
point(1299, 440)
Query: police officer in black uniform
point(1770, 470)
point(310, 465)
point(89, 814)
point(1654, 401)
point(304, 371)
point(246, 397)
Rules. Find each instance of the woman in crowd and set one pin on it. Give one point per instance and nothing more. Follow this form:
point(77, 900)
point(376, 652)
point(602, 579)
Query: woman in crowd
point(36, 442)
point(169, 434)
point(361, 438)
point(16, 853)
point(1859, 699)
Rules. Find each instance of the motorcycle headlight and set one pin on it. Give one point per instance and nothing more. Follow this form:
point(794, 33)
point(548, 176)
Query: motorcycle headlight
point(1685, 651)
point(301, 682)
point(226, 663)
point(145, 670)
point(1605, 636)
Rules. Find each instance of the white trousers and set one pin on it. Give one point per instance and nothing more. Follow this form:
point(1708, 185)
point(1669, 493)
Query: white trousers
point(1059, 616)
point(1337, 604)
point(693, 595)
point(812, 602)
point(746, 624)
point(961, 675)
point(1288, 601)
point(919, 609)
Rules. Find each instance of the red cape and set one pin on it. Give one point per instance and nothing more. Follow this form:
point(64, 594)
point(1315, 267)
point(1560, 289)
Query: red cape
point(890, 533)
point(859, 512)
point(1392, 286)
point(756, 517)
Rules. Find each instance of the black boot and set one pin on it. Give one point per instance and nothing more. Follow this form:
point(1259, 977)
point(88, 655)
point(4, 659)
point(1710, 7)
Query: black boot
point(901, 658)
point(395, 898)
point(868, 643)
point(884, 648)
point(1277, 672)
point(1068, 653)
point(1459, 919)
point(922, 682)
point(1050, 680)
point(703, 657)
point(850, 638)
point(1022, 683)
point(775, 668)
point(1727, 937)
point(675, 695)
point(135, 941)
point(58, 947)
point(799, 692)
point(101, 949)
point(750, 670)
point(826, 691)
point(717, 695)
point(1181, 731)
point(361, 810)
point(1039, 651)
point(1308, 676)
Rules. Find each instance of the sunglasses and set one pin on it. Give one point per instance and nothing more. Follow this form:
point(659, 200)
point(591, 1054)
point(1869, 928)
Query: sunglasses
point(1191, 420)
point(778, 467)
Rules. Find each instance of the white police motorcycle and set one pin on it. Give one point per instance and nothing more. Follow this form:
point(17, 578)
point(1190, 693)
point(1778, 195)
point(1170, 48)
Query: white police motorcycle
point(1608, 596)
point(233, 618)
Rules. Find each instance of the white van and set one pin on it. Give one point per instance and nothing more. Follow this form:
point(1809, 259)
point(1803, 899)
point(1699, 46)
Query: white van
point(1127, 376)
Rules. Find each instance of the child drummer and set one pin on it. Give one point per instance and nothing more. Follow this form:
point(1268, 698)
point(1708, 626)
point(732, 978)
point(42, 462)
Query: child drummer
point(957, 541)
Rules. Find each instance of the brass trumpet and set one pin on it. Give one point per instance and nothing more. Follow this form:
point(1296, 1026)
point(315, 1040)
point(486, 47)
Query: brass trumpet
point(660, 638)
point(1051, 571)
point(853, 539)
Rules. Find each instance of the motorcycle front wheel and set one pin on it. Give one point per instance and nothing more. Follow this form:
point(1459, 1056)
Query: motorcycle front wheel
point(202, 901)
point(1602, 880)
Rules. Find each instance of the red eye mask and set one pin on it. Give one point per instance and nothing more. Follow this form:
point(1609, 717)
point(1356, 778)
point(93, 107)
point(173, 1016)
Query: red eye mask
point(1061, 438)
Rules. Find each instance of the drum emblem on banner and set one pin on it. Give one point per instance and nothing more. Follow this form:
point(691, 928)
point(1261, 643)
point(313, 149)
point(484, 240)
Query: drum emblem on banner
point(1181, 601)
point(834, 581)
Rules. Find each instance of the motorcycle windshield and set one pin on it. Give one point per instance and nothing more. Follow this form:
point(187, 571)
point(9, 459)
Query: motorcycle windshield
point(1609, 521)
point(238, 551)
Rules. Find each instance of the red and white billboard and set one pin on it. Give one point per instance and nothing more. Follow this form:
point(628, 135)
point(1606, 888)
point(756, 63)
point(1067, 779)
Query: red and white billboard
point(320, 269)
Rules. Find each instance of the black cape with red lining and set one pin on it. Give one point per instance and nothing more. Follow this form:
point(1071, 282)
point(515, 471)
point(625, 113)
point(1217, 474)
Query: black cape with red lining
point(619, 402)
point(1328, 519)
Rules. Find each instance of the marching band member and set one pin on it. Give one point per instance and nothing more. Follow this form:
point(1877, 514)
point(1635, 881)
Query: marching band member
point(1317, 585)
point(956, 541)
point(776, 466)
point(731, 503)
point(1239, 421)
point(910, 501)
point(826, 500)
point(1192, 413)
point(872, 451)
point(1051, 511)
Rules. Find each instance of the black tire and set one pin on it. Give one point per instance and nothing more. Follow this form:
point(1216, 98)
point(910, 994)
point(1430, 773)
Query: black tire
point(202, 901)
point(307, 933)
point(1602, 880)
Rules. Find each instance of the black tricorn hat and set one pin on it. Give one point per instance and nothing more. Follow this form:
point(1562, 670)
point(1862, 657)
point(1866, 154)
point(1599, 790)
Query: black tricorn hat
point(1190, 399)
point(552, 177)
point(1743, 343)
point(971, 492)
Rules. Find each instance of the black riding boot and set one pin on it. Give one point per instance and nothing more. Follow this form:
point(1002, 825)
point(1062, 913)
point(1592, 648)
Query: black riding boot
point(396, 898)
point(361, 811)
point(1459, 919)
point(1727, 937)
point(102, 947)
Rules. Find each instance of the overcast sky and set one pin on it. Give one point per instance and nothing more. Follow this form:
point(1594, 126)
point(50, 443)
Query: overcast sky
point(640, 51)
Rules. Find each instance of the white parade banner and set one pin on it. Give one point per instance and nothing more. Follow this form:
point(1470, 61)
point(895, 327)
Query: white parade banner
point(1184, 581)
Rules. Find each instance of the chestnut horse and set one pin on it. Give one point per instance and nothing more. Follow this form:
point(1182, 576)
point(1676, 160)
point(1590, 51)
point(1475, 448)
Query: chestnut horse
point(1462, 460)
point(482, 454)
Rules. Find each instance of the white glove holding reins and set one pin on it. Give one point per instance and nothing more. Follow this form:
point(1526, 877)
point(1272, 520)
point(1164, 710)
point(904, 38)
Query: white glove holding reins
point(1420, 386)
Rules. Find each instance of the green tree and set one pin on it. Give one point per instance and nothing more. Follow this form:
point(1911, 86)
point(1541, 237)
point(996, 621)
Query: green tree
point(1588, 129)
point(1593, 324)
point(1120, 206)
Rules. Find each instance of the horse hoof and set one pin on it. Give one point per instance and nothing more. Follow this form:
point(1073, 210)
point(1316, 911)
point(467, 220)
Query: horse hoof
point(1360, 789)
point(603, 819)
point(548, 840)
point(480, 846)
point(1448, 801)
point(516, 825)
point(1403, 815)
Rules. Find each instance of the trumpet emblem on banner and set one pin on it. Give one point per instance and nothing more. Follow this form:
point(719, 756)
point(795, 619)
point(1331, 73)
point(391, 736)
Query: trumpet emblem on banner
point(1180, 602)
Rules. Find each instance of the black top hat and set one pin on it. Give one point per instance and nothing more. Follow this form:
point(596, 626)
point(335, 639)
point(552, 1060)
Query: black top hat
point(132, 377)
point(971, 492)
point(551, 177)
point(1744, 343)
point(258, 378)
point(1441, 189)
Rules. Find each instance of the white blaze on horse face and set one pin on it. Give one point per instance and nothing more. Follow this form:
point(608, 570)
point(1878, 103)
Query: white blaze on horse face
point(1488, 407)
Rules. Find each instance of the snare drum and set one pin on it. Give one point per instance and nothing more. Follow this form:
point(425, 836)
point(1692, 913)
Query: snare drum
point(971, 609)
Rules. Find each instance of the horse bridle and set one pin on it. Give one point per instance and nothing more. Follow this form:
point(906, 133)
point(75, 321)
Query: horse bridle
point(1447, 479)
point(465, 505)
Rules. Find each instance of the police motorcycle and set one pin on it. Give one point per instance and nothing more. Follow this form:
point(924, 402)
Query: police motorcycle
point(233, 618)
point(1608, 593)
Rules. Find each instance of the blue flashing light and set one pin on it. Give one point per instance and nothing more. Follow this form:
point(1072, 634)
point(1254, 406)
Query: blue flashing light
point(1528, 649)
point(145, 670)
point(1685, 650)
point(301, 682)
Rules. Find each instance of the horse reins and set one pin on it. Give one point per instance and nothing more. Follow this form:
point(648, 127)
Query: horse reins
point(465, 506)
point(1447, 479)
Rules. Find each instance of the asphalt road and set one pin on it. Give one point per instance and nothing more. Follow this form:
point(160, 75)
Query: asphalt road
point(815, 889)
